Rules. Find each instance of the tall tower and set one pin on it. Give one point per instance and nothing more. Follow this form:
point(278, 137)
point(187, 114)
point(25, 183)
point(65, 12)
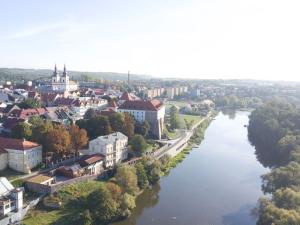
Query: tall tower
point(55, 75)
point(65, 76)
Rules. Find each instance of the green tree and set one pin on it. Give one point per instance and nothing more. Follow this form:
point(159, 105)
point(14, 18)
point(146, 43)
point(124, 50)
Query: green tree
point(116, 121)
point(153, 172)
point(128, 126)
point(78, 137)
point(84, 218)
point(138, 144)
point(127, 204)
point(30, 104)
point(126, 178)
point(90, 113)
point(142, 128)
point(174, 118)
point(101, 205)
point(141, 176)
point(21, 130)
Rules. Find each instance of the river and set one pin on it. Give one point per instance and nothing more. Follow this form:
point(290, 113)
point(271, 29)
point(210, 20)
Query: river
point(218, 183)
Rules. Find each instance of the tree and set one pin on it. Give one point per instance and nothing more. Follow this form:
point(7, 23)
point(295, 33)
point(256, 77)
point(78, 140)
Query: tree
point(95, 127)
point(153, 172)
point(138, 144)
point(128, 126)
point(127, 203)
point(141, 176)
point(84, 218)
point(281, 177)
point(39, 133)
point(30, 104)
point(101, 205)
point(36, 121)
point(115, 191)
point(116, 121)
point(90, 113)
point(78, 137)
point(127, 179)
point(174, 118)
point(21, 130)
point(58, 140)
point(142, 128)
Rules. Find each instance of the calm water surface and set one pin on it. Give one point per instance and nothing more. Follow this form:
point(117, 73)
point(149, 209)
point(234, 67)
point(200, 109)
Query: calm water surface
point(217, 184)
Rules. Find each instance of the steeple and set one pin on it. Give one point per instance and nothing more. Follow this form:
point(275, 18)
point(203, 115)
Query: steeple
point(65, 71)
point(55, 73)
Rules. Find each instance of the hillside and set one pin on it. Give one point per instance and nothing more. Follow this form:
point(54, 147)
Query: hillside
point(16, 74)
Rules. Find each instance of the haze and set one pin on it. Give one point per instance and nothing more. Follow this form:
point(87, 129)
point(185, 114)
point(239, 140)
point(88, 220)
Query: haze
point(257, 39)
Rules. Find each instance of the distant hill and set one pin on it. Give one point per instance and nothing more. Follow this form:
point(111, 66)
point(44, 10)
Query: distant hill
point(17, 75)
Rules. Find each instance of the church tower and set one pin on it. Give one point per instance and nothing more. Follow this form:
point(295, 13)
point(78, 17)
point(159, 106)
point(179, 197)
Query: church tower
point(65, 77)
point(55, 75)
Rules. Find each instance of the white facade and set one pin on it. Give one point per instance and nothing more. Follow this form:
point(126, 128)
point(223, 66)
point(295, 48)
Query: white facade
point(24, 161)
point(11, 199)
point(113, 147)
point(62, 83)
point(139, 115)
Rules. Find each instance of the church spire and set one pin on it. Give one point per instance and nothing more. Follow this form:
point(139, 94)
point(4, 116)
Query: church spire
point(55, 73)
point(65, 71)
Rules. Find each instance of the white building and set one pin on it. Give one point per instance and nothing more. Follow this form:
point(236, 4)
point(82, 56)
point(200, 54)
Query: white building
point(19, 154)
point(11, 199)
point(151, 111)
point(62, 83)
point(113, 147)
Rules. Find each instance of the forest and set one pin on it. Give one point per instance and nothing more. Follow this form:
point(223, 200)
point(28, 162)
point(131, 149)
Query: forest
point(274, 130)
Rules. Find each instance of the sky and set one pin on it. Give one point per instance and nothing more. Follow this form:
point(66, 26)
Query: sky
point(214, 39)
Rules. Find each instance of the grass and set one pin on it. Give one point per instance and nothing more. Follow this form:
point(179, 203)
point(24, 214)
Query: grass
point(191, 118)
point(10, 174)
point(43, 216)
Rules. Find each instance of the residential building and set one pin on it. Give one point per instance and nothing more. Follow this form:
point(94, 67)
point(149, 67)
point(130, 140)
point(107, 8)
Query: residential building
point(19, 154)
point(112, 146)
point(11, 199)
point(151, 111)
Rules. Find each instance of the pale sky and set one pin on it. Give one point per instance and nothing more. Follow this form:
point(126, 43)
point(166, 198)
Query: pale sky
point(256, 39)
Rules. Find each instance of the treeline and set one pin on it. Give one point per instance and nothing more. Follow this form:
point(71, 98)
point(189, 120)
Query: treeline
point(274, 130)
point(235, 102)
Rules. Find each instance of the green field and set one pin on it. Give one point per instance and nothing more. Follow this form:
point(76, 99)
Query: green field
point(191, 118)
point(42, 216)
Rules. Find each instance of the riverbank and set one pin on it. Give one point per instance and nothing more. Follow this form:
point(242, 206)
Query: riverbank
point(72, 194)
point(196, 138)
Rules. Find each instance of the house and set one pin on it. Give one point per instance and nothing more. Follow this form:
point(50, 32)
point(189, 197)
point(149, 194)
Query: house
point(93, 164)
point(71, 171)
point(152, 111)
point(112, 146)
point(40, 183)
point(128, 97)
point(11, 199)
point(19, 154)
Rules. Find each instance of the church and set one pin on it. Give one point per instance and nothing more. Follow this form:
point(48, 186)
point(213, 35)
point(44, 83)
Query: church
point(62, 83)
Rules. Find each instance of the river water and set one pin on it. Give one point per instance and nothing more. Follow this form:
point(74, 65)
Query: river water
point(218, 183)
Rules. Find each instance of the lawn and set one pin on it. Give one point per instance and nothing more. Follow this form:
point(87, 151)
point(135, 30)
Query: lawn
point(42, 216)
point(176, 103)
point(10, 174)
point(191, 118)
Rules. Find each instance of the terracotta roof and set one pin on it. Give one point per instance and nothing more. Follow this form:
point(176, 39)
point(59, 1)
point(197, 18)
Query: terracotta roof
point(49, 97)
point(153, 105)
point(27, 113)
point(91, 159)
point(128, 97)
point(16, 144)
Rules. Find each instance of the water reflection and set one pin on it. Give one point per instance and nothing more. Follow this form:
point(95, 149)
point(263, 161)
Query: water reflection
point(231, 113)
point(149, 198)
point(218, 183)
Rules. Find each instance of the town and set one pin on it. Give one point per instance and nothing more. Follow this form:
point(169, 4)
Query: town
point(62, 132)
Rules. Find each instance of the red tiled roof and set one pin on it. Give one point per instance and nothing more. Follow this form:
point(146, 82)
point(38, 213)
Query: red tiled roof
point(126, 96)
point(16, 144)
point(27, 113)
point(49, 97)
point(90, 159)
point(153, 105)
